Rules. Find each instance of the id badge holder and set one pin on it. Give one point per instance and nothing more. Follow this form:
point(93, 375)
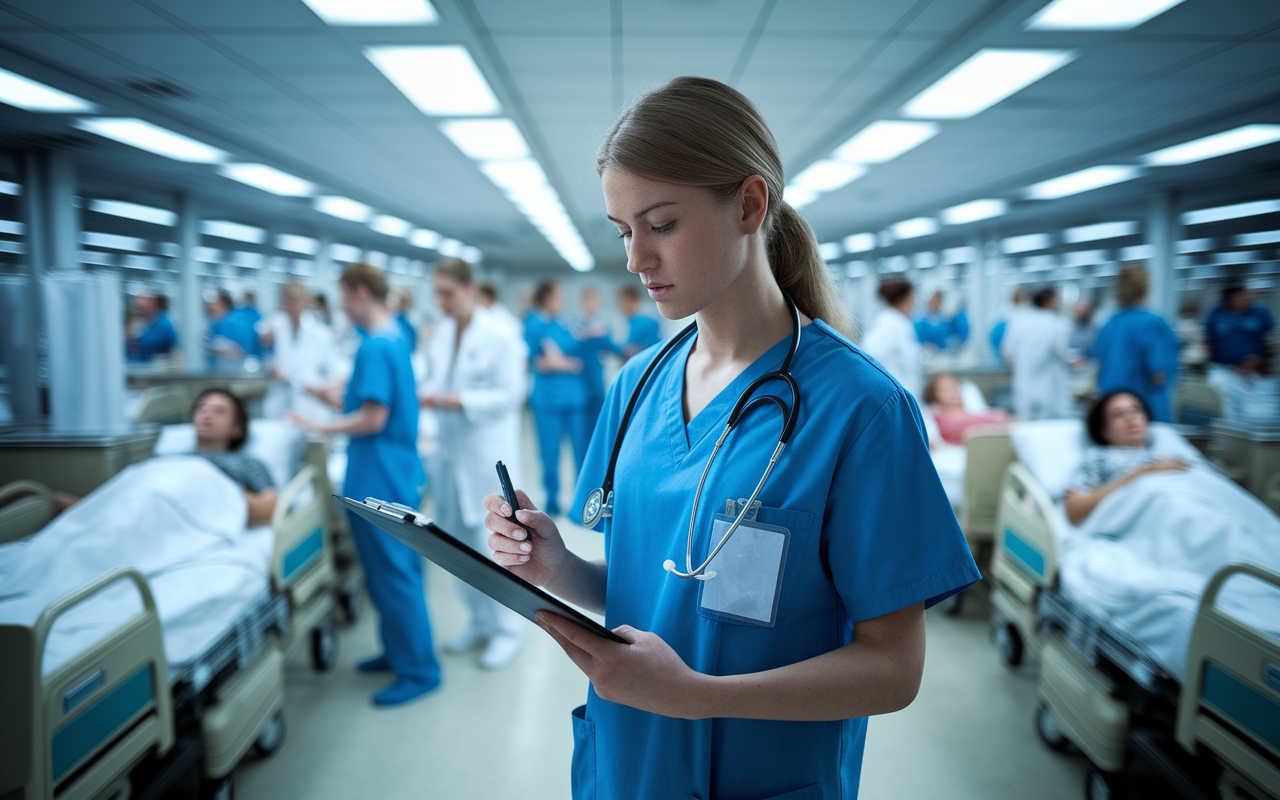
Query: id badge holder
point(749, 570)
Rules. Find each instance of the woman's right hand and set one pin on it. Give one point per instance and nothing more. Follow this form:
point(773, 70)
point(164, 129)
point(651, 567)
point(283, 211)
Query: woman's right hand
point(538, 559)
point(1163, 465)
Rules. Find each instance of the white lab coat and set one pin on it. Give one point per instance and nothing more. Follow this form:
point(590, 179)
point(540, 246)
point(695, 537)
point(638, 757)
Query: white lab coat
point(307, 357)
point(892, 341)
point(1036, 346)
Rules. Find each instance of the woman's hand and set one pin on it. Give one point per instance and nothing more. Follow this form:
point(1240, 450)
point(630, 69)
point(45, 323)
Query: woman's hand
point(1163, 465)
point(538, 559)
point(645, 674)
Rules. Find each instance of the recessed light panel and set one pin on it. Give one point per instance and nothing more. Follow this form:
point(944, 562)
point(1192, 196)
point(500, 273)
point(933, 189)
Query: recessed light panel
point(441, 80)
point(22, 92)
point(119, 208)
point(1097, 15)
point(375, 12)
point(986, 78)
point(885, 140)
point(1083, 181)
point(1219, 144)
point(486, 139)
point(154, 139)
point(269, 179)
point(975, 211)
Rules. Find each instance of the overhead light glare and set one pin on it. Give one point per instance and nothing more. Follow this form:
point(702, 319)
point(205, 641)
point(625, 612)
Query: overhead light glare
point(450, 247)
point(119, 208)
point(1255, 239)
point(913, 228)
point(986, 78)
point(110, 241)
point(1097, 15)
point(859, 242)
point(486, 139)
point(344, 252)
point(885, 140)
point(297, 244)
point(1219, 144)
point(1083, 181)
point(268, 179)
point(375, 12)
point(1194, 245)
point(10, 188)
point(154, 139)
point(797, 197)
point(441, 80)
point(975, 211)
point(426, 239)
point(830, 251)
point(1219, 213)
point(827, 175)
point(224, 229)
point(343, 208)
point(1027, 243)
point(471, 255)
point(391, 226)
point(1103, 230)
point(22, 92)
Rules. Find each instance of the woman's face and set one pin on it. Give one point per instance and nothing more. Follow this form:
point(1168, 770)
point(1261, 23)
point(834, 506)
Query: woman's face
point(947, 391)
point(1125, 422)
point(453, 298)
point(685, 243)
point(215, 420)
point(554, 302)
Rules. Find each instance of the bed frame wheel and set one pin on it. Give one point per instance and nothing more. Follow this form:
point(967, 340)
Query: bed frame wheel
point(1009, 643)
point(223, 788)
point(1099, 785)
point(1050, 731)
point(953, 604)
point(350, 604)
point(270, 738)
point(324, 648)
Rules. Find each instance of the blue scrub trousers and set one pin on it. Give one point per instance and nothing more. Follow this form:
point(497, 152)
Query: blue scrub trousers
point(553, 425)
point(393, 573)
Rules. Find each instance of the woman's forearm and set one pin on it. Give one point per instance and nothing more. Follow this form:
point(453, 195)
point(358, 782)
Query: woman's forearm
point(367, 420)
point(581, 583)
point(262, 506)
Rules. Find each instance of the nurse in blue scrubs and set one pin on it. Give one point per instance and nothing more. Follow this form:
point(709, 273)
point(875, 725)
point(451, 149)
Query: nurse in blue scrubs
point(559, 396)
point(592, 333)
point(642, 330)
point(381, 417)
point(1137, 351)
point(710, 698)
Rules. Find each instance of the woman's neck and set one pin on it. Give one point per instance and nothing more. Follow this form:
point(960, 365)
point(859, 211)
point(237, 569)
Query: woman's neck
point(212, 445)
point(750, 317)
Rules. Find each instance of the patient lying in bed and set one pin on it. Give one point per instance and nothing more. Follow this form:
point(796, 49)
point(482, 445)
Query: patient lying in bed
point(945, 399)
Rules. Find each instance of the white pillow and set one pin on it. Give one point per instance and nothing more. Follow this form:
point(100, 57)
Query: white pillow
point(1168, 443)
point(279, 445)
point(972, 398)
point(176, 440)
point(1052, 450)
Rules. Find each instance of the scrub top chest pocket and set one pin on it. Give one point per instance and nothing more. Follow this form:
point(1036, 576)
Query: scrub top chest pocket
point(754, 572)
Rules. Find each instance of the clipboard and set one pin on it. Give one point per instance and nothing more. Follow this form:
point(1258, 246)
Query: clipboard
point(407, 525)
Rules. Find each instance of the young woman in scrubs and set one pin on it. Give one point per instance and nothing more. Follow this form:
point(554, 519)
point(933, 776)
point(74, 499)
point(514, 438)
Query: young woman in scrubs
point(700, 703)
point(381, 417)
point(559, 395)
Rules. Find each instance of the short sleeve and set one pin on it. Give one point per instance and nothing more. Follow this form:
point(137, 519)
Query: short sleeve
point(1162, 350)
point(890, 536)
point(1088, 476)
point(255, 475)
point(533, 336)
point(372, 375)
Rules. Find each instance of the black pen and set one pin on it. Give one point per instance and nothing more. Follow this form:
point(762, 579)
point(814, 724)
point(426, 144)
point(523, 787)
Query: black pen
point(509, 494)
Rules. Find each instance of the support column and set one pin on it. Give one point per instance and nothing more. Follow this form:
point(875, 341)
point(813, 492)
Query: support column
point(191, 323)
point(62, 214)
point(23, 340)
point(1163, 230)
point(976, 298)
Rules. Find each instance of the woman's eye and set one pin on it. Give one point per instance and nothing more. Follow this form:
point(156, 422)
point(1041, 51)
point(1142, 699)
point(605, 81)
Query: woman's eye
point(624, 234)
point(665, 228)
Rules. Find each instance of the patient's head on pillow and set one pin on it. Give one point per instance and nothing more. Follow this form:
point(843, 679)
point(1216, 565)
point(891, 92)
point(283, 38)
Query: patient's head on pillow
point(220, 420)
point(944, 390)
point(1119, 419)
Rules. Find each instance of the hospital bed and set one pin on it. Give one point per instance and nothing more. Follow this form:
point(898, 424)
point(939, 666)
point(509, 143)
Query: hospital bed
point(116, 717)
point(1103, 692)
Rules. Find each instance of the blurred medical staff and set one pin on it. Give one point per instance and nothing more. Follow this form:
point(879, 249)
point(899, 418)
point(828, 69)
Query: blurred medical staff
point(157, 337)
point(1037, 348)
point(933, 329)
point(476, 387)
point(559, 395)
point(487, 296)
point(381, 417)
point(1018, 306)
point(1237, 331)
point(231, 335)
point(1137, 351)
point(304, 361)
point(592, 333)
point(404, 302)
point(892, 339)
point(642, 330)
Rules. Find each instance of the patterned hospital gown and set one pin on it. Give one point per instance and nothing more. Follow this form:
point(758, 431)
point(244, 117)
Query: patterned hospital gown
point(1102, 465)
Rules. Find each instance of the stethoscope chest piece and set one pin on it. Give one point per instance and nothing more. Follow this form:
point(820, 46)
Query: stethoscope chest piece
point(596, 508)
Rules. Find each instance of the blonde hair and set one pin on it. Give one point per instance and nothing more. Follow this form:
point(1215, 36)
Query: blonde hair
point(296, 291)
point(700, 132)
point(1132, 286)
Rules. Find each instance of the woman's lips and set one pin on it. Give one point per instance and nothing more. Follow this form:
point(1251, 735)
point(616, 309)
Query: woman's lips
point(657, 290)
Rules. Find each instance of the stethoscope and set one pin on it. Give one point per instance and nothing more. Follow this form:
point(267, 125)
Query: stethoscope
point(600, 502)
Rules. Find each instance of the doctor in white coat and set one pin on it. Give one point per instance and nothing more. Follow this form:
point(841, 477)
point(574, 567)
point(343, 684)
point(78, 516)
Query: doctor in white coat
point(305, 362)
point(476, 384)
point(891, 340)
point(1036, 346)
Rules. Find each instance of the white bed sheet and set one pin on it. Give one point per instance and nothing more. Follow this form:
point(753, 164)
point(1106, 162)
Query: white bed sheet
point(178, 520)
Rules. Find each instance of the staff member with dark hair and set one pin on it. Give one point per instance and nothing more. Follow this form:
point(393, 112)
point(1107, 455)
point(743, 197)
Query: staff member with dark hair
point(1137, 351)
point(381, 417)
point(892, 338)
point(642, 330)
point(1037, 348)
point(559, 396)
point(1237, 331)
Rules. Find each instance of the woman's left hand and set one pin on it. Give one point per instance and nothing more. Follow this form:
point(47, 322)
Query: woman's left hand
point(645, 674)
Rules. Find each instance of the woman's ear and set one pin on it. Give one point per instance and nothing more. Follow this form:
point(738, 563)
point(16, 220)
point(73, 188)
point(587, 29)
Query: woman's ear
point(753, 203)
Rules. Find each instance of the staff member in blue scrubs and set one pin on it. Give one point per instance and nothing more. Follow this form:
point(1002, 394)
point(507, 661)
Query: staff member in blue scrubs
point(592, 333)
point(559, 396)
point(157, 337)
point(642, 331)
point(381, 417)
point(1237, 331)
point(711, 704)
point(1137, 351)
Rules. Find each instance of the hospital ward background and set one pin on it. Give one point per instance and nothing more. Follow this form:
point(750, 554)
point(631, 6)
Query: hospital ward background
point(228, 230)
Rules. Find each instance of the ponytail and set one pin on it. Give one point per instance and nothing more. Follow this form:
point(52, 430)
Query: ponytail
point(801, 271)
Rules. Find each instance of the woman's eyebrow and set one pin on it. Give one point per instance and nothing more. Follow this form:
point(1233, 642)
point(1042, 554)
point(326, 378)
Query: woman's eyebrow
point(640, 214)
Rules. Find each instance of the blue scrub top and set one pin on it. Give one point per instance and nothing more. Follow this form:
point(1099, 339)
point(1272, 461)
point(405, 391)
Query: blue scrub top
point(156, 339)
point(1130, 348)
point(553, 391)
point(933, 330)
point(589, 350)
point(871, 532)
point(406, 328)
point(642, 332)
point(386, 464)
point(1234, 337)
point(960, 327)
point(997, 336)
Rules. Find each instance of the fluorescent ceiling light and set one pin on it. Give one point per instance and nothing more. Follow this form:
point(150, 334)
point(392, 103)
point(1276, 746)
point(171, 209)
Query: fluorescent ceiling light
point(471, 255)
point(207, 255)
point(975, 211)
point(515, 176)
point(375, 12)
point(1255, 239)
point(1083, 181)
point(1103, 230)
point(344, 252)
point(926, 260)
point(911, 228)
point(828, 175)
point(830, 251)
point(486, 139)
point(269, 179)
point(959, 255)
point(1195, 245)
point(1097, 15)
point(391, 226)
point(8, 187)
point(859, 242)
point(1236, 211)
point(1139, 252)
point(1219, 144)
point(441, 80)
point(426, 239)
point(798, 198)
point(297, 244)
point(1026, 244)
point(110, 241)
point(450, 247)
point(1084, 258)
point(154, 139)
point(343, 208)
point(233, 230)
point(12, 227)
point(885, 140)
point(22, 92)
point(988, 77)
point(526, 186)
point(119, 208)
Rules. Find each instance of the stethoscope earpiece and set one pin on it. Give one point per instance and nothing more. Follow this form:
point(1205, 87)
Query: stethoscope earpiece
point(670, 566)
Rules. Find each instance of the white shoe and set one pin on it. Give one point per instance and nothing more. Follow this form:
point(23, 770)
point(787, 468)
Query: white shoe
point(464, 642)
point(502, 650)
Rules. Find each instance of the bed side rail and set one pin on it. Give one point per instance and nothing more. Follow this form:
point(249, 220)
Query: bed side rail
point(301, 560)
point(989, 453)
point(1025, 556)
point(1231, 697)
point(98, 714)
point(25, 507)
